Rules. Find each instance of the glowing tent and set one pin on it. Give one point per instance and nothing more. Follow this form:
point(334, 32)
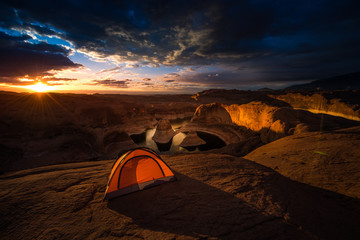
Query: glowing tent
point(136, 170)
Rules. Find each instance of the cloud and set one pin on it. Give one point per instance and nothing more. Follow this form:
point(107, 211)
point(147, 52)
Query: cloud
point(112, 70)
point(147, 84)
point(40, 29)
point(232, 77)
point(171, 75)
point(52, 81)
point(59, 79)
point(134, 65)
point(146, 79)
point(19, 58)
point(320, 38)
point(169, 81)
point(112, 83)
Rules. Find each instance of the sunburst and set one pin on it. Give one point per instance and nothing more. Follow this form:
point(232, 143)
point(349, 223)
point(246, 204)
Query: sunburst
point(40, 87)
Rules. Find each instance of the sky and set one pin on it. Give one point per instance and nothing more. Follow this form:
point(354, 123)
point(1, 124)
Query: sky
point(174, 46)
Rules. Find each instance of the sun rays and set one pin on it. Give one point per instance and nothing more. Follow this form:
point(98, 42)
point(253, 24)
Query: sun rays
point(40, 87)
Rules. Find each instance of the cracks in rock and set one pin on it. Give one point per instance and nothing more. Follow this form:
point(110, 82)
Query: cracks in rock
point(40, 171)
point(84, 204)
point(63, 189)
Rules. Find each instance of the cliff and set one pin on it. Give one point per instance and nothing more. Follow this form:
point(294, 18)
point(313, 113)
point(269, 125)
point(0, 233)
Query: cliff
point(330, 103)
point(269, 122)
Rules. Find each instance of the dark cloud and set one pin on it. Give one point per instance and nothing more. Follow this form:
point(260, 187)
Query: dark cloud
point(42, 30)
point(19, 58)
point(169, 81)
point(270, 36)
point(113, 83)
point(146, 79)
point(244, 78)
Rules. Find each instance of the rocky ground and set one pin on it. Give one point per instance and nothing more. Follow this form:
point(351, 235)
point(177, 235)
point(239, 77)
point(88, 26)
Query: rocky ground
point(298, 180)
point(216, 197)
point(327, 159)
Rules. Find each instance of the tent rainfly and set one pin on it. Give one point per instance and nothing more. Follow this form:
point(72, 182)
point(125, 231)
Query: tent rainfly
point(136, 170)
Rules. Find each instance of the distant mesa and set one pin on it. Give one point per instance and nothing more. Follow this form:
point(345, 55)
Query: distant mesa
point(265, 89)
point(349, 81)
point(164, 132)
point(191, 141)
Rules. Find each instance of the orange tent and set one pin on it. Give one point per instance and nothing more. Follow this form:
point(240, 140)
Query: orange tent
point(136, 170)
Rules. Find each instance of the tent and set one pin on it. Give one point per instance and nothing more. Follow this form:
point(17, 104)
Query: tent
point(136, 170)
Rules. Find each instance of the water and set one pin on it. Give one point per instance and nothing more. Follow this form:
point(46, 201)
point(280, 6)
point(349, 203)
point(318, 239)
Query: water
point(145, 140)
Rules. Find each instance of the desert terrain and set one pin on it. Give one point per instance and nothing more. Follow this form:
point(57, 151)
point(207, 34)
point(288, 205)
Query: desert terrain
point(250, 165)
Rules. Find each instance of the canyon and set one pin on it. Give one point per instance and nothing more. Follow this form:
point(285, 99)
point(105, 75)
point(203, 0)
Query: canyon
point(249, 164)
point(47, 128)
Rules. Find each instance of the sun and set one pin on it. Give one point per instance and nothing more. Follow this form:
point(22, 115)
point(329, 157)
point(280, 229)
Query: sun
point(40, 87)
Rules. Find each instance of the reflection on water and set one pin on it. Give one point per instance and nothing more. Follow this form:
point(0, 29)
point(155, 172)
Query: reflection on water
point(148, 142)
point(145, 140)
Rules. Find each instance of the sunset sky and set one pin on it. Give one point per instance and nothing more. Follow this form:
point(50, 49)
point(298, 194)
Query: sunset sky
point(174, 46)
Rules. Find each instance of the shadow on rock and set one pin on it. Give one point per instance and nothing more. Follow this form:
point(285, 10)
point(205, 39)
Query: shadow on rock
point(192, 208)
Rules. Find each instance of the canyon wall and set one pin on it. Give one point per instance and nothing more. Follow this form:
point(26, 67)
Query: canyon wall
point(327, 103)
point(269, 122)
point(51, 128)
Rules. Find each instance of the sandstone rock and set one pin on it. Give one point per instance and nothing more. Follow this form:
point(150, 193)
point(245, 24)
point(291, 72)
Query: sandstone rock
point(216, 197)
point(164, 132)
point(226, 133)
point(328, 160)
point(211, 113)
point(192, 140)
point(301, 128)
point(115, 142)
point(229, 97)
point(270, 122)
point(329, 103)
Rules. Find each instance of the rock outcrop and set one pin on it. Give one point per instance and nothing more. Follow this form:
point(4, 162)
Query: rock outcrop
point(270, 122)
point(164, 132)
point(328, 160)
point(229, 97)
point(192, 140)
point(226, 133)
point(328, 103)
point(213, 113)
